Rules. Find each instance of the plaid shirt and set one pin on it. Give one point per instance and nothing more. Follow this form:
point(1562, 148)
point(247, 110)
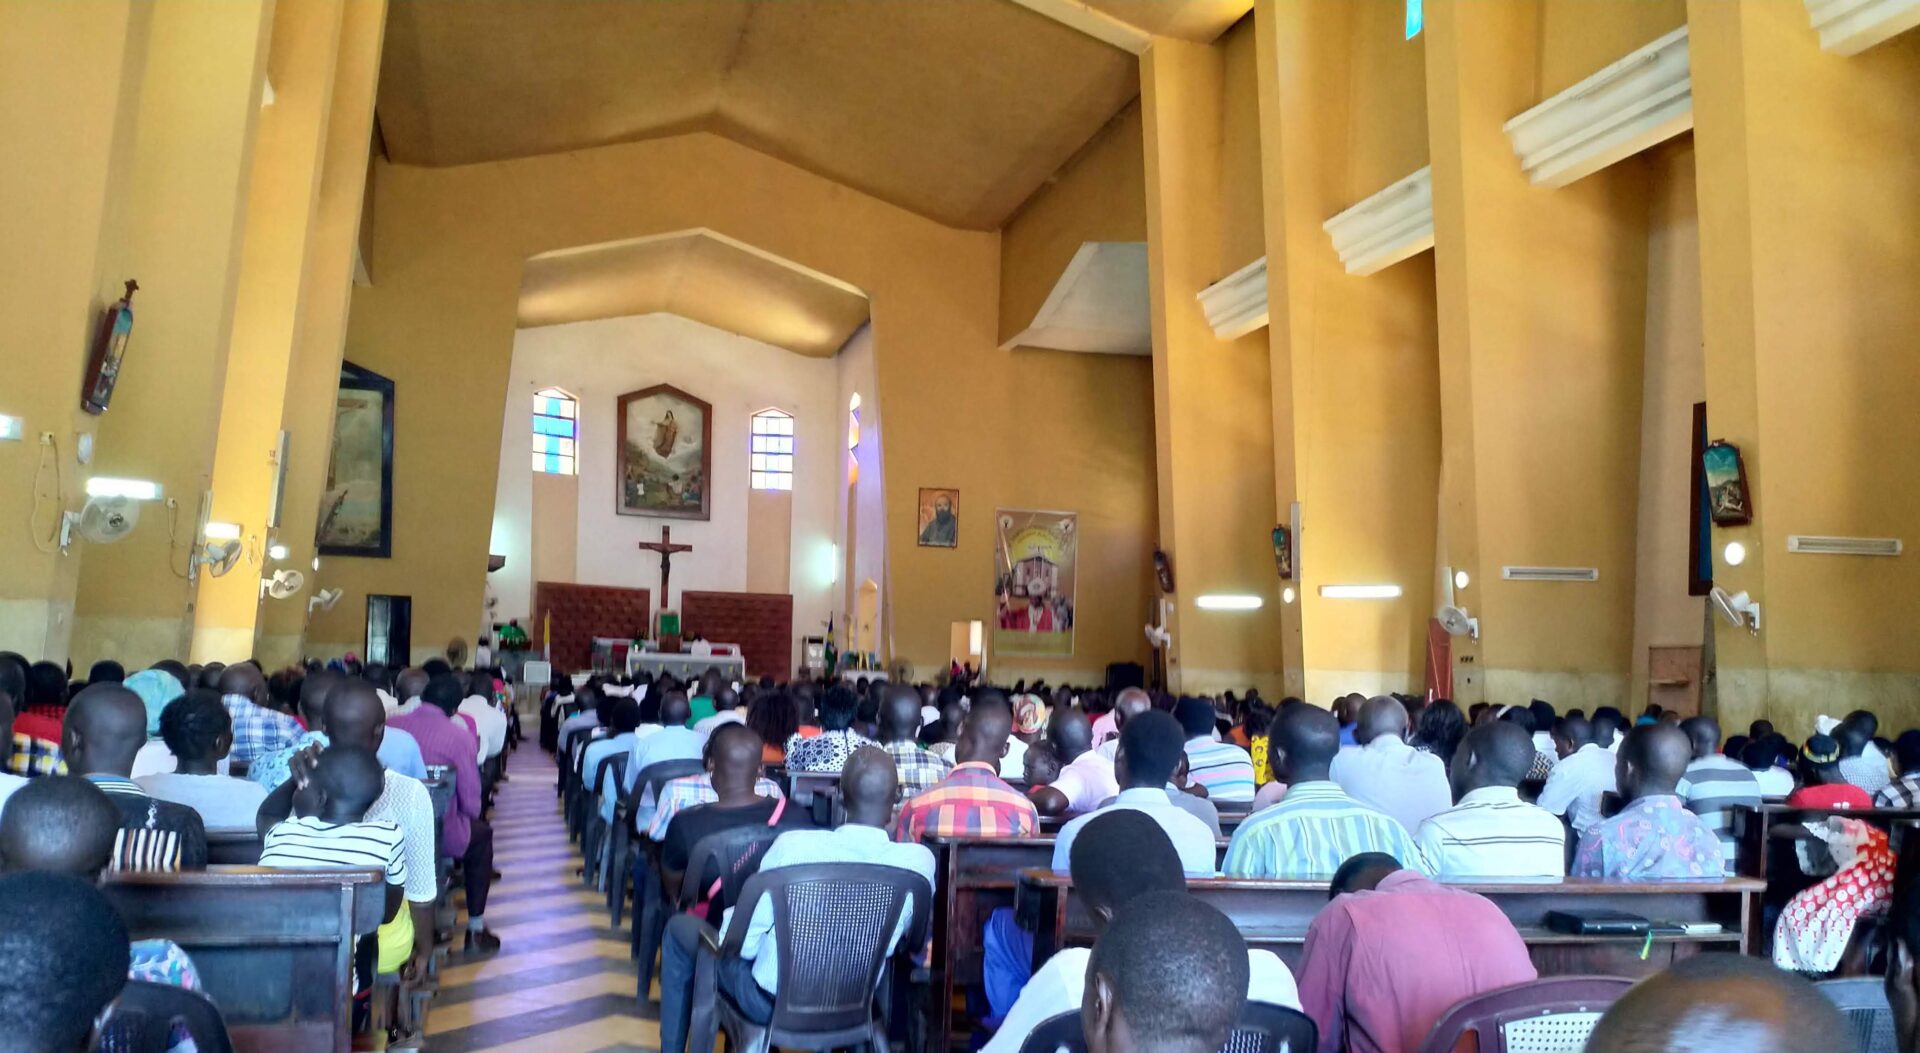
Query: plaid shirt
point(689, 790)
point(919, 770)
point(1901, 793)
point(33, 756)
point(257, 730)
point(971, 801)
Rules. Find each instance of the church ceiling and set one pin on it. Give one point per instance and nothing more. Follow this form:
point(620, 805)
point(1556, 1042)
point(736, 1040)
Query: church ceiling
point(955, 109)
point(696, 274)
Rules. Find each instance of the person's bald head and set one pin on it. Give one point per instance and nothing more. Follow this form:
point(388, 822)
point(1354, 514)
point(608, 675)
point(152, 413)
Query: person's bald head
point(1496, 754)
point(1703, 733)
point(675, 709)
point(244, 679)
point(1381, 717)
point(733, 758)
point(983, 735)
point(1071, 733)
point(868, 783)
point(314, 690)
point(900, 714)
point(1308, 737)
point(355, 716)
point(1719, 1002)
point(1130, 702)
point(106, 724)
point(1652, 760)
point(411, 683)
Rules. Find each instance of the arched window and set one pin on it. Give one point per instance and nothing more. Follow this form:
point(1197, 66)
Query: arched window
point(772, 450)
point(556, 432)
point(853, 422)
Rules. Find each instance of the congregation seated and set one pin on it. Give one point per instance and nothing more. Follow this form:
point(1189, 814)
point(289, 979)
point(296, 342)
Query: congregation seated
point(258, 729)
point(1150, 747)
point(105, 726)
point(868, 785)
point(972, 801)
point(838, 738)
point(1317, 826)
point(1654, 836)
point(1121, 854)
point(1823, 784)
point(489, 721)
point(734, 774)
point(774, 716)
point(198, 731)
point(1584, 773)
point(1491, 832)
point(1861, 761)
point(1393, 951)
point(899, 735)
point(1720, 1001)
point(672, 741)
point(464, 831)
point(1223, 769)
point(1903, 792)
point(12, 690)
point(1386, 774)
point(622, 718)
point(1085, 778)
point(63, 959)
point(1129, 703)
point(1715, 784)
point(689, 791)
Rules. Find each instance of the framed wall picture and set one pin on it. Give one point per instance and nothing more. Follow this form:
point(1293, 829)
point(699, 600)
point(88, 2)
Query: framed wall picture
point(665, 456)
point(939, 517)
point(356, 510)
point(1283, 552)
point(1699, 518)
point(1727, 497)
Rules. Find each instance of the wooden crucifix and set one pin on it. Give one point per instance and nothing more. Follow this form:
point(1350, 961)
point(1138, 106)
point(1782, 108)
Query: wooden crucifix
point(666, 548)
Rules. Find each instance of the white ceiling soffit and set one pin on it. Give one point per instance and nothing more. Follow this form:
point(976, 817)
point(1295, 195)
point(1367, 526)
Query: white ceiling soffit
point(1848, 27)
point(1237, 304)
point(1095, 23)
point(1099, 305)
point(1390, 226)
point(1643, 99)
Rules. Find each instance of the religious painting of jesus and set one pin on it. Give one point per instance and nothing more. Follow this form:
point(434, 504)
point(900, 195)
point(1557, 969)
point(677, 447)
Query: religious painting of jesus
point(1035, 560)
point(665, 461)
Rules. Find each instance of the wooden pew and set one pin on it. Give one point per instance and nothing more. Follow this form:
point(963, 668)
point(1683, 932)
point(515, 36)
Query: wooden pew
point(973, 876)
point(1230, 819)
point(1757, 852)
point(1275, 914)
point(240, 848)
point(274, 947)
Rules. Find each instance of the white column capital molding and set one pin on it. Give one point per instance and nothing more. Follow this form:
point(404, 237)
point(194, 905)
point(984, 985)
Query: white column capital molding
point(1237, 304)
point(1848, 27)
point(1389, 226)
point(1643, 99)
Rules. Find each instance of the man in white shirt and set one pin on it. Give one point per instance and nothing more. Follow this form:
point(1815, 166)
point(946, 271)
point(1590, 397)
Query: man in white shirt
point(1150, 747)
point(868, 782)
point(1119, 856)
point(1492, 833)
point(488, 719)
point(1583, 776)
point(1385, 773)
point(1086, 778)
point(1129, 703)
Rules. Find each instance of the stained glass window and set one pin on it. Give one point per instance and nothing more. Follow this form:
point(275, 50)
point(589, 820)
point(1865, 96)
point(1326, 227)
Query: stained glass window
point(556, 432)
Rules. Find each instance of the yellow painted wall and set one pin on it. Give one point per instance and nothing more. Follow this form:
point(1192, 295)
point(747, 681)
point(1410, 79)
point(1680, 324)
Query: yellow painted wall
point(1009, 429)
point(1213, 414)
point(555, 537)
point(769, 541)
point(70, 77)
point(1810, 259)
point(184, 205)
point(1355, 358)
point(1579, 37)
point(1242, 232)
point(1675, 379)
point(282, 203)
point(1100, 195)
point(314, 371)
point(1542, 297)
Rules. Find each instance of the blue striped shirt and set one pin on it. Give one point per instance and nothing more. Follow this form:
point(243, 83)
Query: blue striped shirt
point(1223, 768)
point(1313, 830)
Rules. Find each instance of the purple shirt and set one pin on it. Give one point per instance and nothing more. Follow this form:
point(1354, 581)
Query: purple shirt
point(448, 742)
point(1380, 967)
point(1652, 839)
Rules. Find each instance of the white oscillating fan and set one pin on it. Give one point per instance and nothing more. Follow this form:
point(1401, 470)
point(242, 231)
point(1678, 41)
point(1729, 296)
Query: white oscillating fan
point(285, 583)
point(323, 600)
point(104, 520)
point(1737, 608)
point(1457, 622)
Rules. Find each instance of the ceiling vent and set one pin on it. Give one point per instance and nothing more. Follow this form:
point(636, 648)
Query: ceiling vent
point(1550, 573)
point(1843, 546)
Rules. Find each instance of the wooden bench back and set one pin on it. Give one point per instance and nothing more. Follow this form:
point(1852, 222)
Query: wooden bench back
point(274, 948)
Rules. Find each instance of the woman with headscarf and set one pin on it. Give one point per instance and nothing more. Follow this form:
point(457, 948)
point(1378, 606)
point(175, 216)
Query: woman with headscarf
point(1817, 924)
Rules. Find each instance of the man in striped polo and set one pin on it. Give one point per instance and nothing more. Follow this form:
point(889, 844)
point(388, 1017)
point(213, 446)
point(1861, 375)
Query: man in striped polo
point(1492, 833)
point(1316, 827)
point(1714, 784)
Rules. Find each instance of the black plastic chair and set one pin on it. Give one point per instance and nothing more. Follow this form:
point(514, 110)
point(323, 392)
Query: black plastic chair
point(630, 863)
point(1262, 1028)
point(1863, 1001)
point(142, 1019)
point(833, 923)
point(593, 844)
point(729, 857)
point(1060, 1031)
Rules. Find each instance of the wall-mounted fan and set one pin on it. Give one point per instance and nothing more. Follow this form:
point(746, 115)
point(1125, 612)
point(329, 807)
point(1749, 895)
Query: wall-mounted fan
point(1457, 622)
point(103, 520)
point(323, 600)
point(457, 653)
point(217, 556)
point(285, 583)
point(1737, 608)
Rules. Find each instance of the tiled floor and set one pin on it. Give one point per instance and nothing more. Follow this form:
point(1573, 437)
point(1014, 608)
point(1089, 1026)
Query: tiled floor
point(562, 982)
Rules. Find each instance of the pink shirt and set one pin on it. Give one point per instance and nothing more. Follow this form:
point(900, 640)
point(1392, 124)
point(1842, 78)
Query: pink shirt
point(1104, 728)
point(1380, 967)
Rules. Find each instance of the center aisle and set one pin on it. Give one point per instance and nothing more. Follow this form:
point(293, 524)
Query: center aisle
point(563, 980)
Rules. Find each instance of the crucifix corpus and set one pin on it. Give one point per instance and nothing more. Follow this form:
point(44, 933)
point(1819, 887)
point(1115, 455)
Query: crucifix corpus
point(666, 548)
